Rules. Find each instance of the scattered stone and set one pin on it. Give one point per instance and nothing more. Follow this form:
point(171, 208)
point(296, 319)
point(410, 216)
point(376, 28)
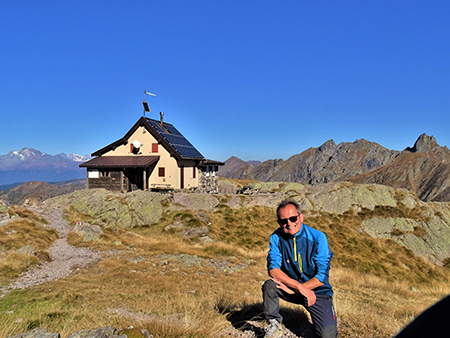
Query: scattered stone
point(206, 240)
point(193, 232)
point(88, 231)
point(138, 259)
point(147, 335)
point(176, 225)
point(185, 259)
point(27, 249)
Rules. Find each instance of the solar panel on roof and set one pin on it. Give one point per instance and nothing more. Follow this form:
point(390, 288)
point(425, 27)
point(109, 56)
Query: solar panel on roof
point(176, 139)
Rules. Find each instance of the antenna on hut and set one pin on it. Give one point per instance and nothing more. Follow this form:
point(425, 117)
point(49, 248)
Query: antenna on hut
point(145, 103)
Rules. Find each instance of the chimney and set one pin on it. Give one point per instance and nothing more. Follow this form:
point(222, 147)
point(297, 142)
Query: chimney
point(161, 118)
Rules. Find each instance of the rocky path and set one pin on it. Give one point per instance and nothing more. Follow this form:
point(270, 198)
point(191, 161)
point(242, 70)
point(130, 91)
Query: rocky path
point(66, 259)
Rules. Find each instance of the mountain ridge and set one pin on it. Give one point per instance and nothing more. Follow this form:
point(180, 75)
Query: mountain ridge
point(423, 168)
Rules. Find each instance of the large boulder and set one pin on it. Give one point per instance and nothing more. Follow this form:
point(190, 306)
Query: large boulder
point(343, 196)
point(112, 210)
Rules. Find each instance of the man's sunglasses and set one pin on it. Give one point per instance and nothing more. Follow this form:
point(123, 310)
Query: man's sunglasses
point(284, 221)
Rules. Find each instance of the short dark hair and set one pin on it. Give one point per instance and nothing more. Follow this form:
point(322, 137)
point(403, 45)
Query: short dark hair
point(285, 203)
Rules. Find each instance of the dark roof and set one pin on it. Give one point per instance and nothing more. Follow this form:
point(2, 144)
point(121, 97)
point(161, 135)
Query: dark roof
point(120, 161)
point(171, 139)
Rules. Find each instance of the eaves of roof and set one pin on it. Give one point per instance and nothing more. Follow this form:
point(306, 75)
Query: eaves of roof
point(210, 162)
point(136, 161)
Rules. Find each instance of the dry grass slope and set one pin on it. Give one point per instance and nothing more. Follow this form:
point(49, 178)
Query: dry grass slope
point(26, 230)
point(145, 281)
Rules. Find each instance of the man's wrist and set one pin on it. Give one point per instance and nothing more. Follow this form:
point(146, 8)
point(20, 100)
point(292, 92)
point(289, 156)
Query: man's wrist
point(300, 287)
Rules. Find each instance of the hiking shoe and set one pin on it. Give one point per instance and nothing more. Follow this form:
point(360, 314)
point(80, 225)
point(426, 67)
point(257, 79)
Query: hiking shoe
point(274, 330)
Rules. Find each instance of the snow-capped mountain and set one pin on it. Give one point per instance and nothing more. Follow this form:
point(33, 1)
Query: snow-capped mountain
point(75, 157)
point(28, 164)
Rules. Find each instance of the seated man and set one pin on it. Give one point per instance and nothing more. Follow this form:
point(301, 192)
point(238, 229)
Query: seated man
point(298, 262)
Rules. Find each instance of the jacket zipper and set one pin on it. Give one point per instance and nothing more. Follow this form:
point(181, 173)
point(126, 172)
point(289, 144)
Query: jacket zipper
point(299, 255)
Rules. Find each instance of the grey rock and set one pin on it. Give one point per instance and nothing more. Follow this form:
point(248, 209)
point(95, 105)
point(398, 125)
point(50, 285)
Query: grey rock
point(206, 240)
point(89, 232)
point(227, 187)
point(198, 201)
point(112, 210)
point(105, 332)
point(185, 259)
point(176, 225)
point(38, 332)
point(27, 249)
point(193, 232)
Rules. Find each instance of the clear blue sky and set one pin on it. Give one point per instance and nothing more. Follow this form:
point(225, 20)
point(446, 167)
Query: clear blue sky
point(255, 79)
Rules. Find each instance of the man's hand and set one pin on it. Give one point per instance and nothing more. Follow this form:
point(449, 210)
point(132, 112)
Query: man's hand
point(283, 287)
point(309, 295)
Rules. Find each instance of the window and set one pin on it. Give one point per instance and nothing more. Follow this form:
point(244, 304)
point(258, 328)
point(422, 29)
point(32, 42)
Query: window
point(162, 172)
point(105, 173)
point(193, 172)
point(154, 147)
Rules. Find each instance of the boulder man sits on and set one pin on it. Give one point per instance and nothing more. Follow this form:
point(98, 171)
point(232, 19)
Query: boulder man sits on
point(298, 263)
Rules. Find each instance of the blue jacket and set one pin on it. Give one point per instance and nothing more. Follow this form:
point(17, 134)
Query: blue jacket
point(302, 256)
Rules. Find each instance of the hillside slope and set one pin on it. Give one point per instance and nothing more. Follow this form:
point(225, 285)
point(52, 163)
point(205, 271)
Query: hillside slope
point(38, 191)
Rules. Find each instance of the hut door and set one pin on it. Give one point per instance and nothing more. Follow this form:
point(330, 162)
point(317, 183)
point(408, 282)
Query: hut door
point(136, 179)
point(181, 177)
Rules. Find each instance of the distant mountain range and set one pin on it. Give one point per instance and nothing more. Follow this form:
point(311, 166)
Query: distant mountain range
point(29, 164)
point(423, 168)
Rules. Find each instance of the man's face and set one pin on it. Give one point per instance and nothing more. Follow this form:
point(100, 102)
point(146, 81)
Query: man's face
point(290, 228)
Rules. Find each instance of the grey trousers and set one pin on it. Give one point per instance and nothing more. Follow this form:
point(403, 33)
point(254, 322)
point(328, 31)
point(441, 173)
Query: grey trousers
point(322, 312)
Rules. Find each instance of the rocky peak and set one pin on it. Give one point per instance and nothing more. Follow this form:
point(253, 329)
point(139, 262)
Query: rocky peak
point(328, 147)
point(424, 143)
